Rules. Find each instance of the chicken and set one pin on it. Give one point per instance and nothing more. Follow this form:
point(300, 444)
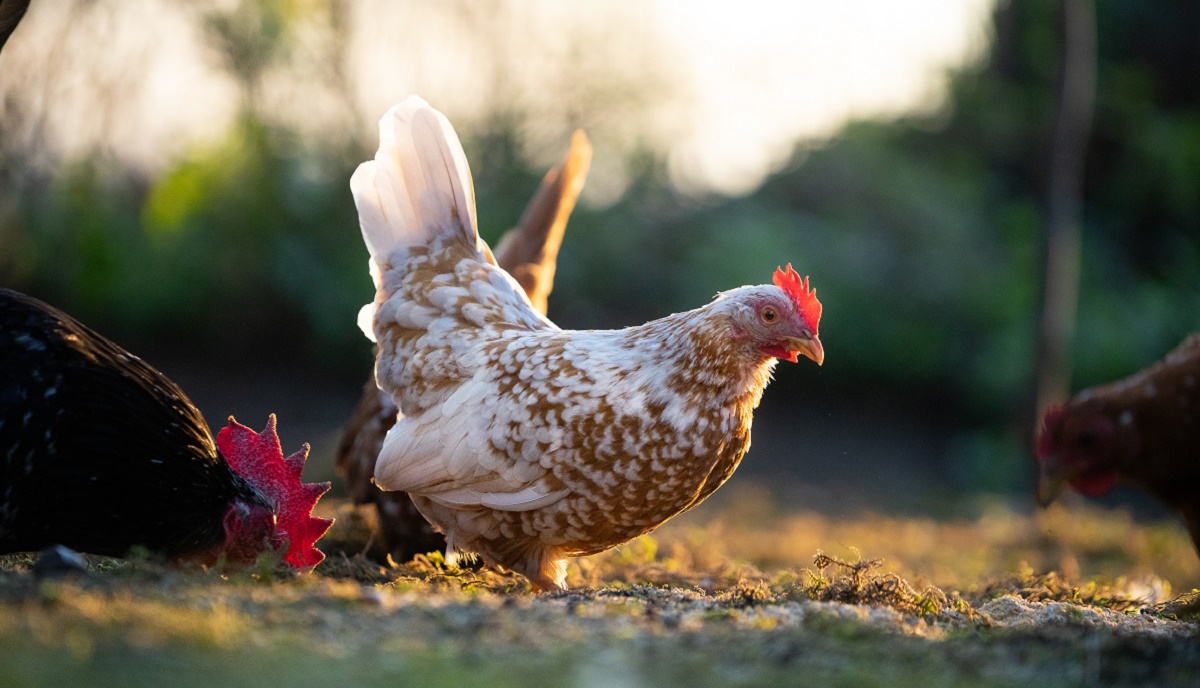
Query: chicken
point(529, 253)
point(522, 442)
point(102, 453)
point(401, 531)
point(1144, 430)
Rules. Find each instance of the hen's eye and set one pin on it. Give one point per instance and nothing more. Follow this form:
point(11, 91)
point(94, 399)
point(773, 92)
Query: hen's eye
point(769, 315)
point(1087, 439)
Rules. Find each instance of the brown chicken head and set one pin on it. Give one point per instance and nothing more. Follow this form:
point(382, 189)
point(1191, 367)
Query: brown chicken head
point(1083, 446)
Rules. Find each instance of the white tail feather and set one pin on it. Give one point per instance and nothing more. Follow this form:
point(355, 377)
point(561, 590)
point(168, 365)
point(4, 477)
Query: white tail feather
point(418, 186)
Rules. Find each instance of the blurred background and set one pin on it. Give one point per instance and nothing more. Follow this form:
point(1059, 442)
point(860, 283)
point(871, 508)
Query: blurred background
point(175, 174)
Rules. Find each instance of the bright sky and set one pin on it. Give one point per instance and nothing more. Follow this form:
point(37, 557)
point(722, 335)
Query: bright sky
point(765, 73)
point(722, 89)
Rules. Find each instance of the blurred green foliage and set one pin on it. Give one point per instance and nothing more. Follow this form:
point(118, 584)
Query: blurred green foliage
point(251, 228)
point(922, 235)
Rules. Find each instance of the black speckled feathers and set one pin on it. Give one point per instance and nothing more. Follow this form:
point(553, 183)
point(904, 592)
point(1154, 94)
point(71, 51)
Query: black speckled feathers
point(98, 450)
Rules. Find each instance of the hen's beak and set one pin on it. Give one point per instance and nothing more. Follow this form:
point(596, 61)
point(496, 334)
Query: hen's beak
point(1051, 480)
point(809, 346)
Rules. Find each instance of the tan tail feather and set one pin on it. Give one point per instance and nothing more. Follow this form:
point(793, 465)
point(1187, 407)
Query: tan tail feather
point(529, 252)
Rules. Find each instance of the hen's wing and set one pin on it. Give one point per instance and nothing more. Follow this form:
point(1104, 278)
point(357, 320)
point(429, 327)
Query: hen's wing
point(461, 453)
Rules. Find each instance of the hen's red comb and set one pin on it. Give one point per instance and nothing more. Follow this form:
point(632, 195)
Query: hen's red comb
point(804, 298)
point(258, 458)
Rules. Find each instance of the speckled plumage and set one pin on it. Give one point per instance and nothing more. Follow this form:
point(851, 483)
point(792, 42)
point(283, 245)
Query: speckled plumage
point(523, 442)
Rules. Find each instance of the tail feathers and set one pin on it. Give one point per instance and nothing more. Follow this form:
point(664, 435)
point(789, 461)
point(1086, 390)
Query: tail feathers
point(418, 187)
point(529, 252)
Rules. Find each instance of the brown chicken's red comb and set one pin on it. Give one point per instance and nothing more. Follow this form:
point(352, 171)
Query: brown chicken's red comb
point(1047, 440)
point(258, 458)
point(804, 298)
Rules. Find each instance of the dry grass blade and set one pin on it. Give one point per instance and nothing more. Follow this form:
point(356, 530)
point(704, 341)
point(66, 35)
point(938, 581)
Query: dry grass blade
point(859, 583)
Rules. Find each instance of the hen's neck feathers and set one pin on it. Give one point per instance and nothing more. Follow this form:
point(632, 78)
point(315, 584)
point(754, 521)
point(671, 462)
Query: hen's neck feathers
point(696, 355)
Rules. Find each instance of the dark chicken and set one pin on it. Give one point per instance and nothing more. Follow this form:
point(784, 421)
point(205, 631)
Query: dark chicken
point(1143, 430)
point(102, 453)
point(529, 252)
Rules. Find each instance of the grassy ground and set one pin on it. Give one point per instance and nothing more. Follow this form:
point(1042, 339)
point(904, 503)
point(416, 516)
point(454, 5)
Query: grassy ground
point(728, 596)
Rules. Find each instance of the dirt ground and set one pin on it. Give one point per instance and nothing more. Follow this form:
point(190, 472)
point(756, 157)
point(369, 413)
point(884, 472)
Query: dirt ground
point(738, 594)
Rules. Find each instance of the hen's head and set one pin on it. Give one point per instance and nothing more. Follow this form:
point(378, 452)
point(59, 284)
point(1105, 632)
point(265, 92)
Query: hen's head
point(1080, 445)
point(778, 321)
point(285, 521)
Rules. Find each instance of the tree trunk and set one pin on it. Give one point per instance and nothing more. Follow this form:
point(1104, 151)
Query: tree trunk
point(1060, 292)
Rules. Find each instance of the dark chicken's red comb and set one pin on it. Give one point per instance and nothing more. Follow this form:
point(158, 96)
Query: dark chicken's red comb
point(258, 458)
point(804, 298)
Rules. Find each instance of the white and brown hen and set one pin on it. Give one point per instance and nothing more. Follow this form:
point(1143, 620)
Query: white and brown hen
point(523, 442)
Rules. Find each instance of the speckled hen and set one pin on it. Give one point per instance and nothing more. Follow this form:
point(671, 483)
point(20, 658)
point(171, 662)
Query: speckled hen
point(523, 442)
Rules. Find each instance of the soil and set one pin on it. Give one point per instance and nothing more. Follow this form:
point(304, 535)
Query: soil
point(721, 598)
